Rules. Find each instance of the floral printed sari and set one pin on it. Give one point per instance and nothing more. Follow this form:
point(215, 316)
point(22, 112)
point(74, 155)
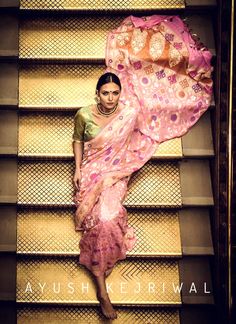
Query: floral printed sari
point(166, 87)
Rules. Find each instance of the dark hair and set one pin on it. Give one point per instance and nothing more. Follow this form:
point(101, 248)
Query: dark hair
point(106, 78)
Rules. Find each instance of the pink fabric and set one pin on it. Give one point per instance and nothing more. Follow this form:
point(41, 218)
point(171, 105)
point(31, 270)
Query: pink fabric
point(166, 87)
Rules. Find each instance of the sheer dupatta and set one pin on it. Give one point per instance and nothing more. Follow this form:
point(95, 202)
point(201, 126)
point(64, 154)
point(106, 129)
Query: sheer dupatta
point(160, 65)
point(166, 87)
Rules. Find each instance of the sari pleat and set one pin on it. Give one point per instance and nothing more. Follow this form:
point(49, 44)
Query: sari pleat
point(166, 87)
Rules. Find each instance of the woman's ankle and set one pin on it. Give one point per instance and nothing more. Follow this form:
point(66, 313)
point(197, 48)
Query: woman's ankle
point(102, 294)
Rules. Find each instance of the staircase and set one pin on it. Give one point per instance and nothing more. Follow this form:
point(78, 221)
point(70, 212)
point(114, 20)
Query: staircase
point(170, 200)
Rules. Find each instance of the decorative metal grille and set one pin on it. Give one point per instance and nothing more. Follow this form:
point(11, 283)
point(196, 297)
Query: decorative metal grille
point(49, 134)
point(101, 4)
point(45, 134)
point(156, 184)
point(65, 37)
point(91, 315)
point(169, 149)
point(66, 87)
point(45, 231)
point(57, 86)
point(143, 281)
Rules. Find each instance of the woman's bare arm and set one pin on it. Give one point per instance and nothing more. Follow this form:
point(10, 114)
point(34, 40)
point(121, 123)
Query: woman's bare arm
point(78, 155)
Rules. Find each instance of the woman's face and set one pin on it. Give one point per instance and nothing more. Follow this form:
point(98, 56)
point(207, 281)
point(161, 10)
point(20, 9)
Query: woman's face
point(109, 95)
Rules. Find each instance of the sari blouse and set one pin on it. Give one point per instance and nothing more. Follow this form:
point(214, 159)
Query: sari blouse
point(88, 123)
point(85, 127)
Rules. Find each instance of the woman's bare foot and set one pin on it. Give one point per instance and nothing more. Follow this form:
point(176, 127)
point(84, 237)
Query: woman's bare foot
point(103, 297)
point(106, 306)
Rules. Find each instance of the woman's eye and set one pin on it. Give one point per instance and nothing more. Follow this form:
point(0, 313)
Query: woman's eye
point(106, 93)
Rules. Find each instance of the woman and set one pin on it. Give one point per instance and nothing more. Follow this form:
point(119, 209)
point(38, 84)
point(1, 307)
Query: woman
point(104, 241)
point(165, 88)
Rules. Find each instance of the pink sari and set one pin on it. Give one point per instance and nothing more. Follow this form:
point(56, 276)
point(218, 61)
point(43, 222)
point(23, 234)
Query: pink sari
point(166, 87)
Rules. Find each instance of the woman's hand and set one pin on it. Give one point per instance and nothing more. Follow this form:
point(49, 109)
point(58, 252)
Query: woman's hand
point(77, 179)
point(78, 221)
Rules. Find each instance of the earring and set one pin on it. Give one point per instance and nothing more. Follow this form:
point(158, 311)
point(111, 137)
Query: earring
point(97, 99)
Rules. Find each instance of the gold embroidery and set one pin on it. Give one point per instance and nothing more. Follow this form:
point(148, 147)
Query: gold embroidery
point(174, 56)
point(158, 28)
point(184, 83)
point(157, 45)
point(148, 69)
point(138, 40)
point(122, 38)
point(120, 56)
point(162, 28)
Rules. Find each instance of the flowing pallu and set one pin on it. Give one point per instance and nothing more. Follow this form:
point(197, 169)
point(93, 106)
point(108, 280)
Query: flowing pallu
point(166, 87)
